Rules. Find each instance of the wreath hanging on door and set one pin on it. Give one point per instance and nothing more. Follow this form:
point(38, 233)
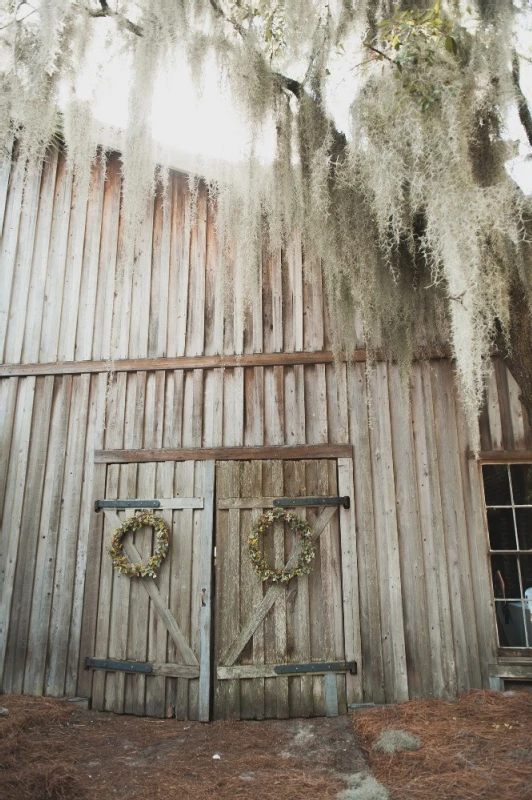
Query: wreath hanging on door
point(116, 548)
point(306, 553)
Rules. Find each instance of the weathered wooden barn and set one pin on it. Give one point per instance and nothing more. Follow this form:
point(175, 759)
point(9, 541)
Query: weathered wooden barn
point(210, 415)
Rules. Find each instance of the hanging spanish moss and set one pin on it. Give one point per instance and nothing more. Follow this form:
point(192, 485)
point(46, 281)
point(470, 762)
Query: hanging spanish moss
point(409, 206)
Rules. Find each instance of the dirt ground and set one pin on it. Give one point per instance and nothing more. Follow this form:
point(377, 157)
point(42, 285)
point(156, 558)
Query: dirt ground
point(50, 750)
point(477, 748)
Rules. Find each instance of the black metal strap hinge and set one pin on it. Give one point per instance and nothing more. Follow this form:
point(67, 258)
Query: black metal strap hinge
point(119, 666)
point(285, 502)
point(317, 666)
point(126, 504)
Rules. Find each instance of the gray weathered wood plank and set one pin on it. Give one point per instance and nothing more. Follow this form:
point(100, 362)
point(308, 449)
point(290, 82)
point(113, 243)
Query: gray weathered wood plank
point(232, 653)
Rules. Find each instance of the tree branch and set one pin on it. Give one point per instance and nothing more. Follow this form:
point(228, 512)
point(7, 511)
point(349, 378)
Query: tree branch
point(105, 11)
point(220, 13)
point(379, 52)
point(522, 105)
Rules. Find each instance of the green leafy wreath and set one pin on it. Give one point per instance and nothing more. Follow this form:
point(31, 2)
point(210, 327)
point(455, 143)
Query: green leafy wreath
point(116, 548)
point(306, 554)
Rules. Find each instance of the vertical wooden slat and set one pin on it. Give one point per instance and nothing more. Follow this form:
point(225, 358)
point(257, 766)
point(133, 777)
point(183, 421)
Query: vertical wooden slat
point(395, 671)
point(14, 507)
point(173, 412)
point(501, 377)
point(248, 584)
point(298, 644)
point(180, 258)
point(294, 404)
point(207, 531)
point(22, 271)
point(89, 536)
point(279, 685)
point(517, 412)
point(35, 307)
point(8, 402)
point(227, 693)
point(337, 414)
point(67, 540)
point(196, 292)
point(139, 612)
point(57, 255)
point(494, 414)
point(114, 436)
point(484, 614)
point(5, 172)
point(213, 409)
point(89, 268)
point(157, 635)
point(10, 244)
point(350, 596)
point(122, 586)
point(293, 296)
point(456, 544)
point(214, 291)
point(273, 303)
point(410, 543)
point(370, 624)
point(156, 685)
point(313, 305)
point(274, 405)
point(233, 407)
point(254, 406)
point(103, 316)
point(173, 266)
point(443, 668)
point(331, 583)
point(184, 541)
point(316, 404)
point(172, 437)
point(317, 481)
point(73, 271)
point(136, 627)
point(159, 309)
point(140, 290)
point(48, 533)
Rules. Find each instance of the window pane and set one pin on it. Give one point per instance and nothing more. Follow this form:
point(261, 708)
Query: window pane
point(526, 574)
point(505, 577)
point(496, 485)
point(524, 527)
point(501, 529)
point(522, 483)
point(510, 624)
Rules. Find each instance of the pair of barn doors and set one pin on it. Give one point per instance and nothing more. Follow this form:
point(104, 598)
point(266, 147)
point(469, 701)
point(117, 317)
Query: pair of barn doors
point(207, 638)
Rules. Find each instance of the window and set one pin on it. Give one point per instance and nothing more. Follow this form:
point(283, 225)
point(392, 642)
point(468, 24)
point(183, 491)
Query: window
point(508, 496)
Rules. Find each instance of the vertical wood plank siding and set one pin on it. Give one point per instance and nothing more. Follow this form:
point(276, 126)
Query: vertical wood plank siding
point(423, 605)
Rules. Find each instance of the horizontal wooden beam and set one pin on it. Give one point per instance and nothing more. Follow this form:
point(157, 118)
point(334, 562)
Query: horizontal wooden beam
point(196, 362)
point(505, 456)
point(155, 669)
point(224, 673)
point(511, 671)
point(268, 452)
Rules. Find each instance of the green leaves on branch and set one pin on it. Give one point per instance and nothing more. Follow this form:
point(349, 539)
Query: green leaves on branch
point(414, 41)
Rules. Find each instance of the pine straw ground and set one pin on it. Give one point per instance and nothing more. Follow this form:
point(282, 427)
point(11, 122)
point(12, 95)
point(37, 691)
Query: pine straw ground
point(477, 748)
point(50, 750)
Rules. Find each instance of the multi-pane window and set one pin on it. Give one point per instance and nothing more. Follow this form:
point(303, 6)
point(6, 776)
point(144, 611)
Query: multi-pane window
point(508, 495)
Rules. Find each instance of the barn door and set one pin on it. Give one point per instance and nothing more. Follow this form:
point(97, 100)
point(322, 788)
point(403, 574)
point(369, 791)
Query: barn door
point(279, 650)
point(151, 653)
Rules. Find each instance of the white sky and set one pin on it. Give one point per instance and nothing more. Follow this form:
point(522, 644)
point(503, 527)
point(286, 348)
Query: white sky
point(208, 127)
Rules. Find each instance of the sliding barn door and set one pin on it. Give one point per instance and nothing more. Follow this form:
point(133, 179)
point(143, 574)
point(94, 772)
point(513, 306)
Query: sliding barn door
point(150, 652)
point(279, 649)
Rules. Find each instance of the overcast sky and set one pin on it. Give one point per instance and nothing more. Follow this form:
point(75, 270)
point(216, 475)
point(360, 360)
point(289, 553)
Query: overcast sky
point(188, 125)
